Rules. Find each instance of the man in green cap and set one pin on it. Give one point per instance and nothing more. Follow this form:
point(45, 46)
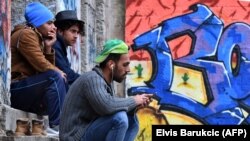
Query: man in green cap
point(92, 111)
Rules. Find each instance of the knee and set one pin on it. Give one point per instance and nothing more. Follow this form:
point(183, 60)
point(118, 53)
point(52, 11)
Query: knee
point(55, 77)
point(121, 118)
point(54, 74)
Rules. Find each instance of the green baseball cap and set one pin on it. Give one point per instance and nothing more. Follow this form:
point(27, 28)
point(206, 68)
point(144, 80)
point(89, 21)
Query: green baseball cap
point(112, 46)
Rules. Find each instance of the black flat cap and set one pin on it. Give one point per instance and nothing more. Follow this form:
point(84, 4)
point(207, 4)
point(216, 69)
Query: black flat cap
point(69, 15)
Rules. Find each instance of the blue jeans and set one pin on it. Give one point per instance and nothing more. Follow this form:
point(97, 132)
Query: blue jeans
point(117, 127)
point(42, 94)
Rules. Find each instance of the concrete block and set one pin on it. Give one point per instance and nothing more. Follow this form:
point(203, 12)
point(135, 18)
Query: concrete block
point(27, 138)
point(9, 116)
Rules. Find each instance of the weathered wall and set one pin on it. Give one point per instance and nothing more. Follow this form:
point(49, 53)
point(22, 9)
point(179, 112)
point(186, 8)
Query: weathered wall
point(18, 6)
point(5, 51)
point(194, 56)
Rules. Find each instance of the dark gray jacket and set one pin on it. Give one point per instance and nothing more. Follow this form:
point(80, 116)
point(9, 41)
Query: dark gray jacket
point(88, 98)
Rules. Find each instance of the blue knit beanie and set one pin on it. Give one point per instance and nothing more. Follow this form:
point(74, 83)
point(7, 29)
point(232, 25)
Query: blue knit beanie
point(37, 14)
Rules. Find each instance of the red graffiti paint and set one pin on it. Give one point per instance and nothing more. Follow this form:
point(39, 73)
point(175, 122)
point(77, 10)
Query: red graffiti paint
point(143, 15)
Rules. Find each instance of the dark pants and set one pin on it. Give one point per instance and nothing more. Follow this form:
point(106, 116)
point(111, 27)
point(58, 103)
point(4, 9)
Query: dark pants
point(41, 94)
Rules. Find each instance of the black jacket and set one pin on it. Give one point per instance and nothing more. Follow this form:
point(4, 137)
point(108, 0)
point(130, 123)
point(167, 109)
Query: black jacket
point(62, 61)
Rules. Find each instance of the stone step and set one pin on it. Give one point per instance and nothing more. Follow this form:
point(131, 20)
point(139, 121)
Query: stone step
point(27, 138)
point(8, 119)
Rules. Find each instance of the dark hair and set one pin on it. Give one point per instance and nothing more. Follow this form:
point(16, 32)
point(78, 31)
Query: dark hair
point(112, 56)
point(66, 24)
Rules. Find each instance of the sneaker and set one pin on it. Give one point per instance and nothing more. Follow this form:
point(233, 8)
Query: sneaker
point(53, 132)
point(55, 127)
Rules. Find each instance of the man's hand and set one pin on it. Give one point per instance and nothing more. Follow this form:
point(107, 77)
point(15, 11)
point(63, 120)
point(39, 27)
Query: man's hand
point(49, 41)
point(143, 99)
point(64, 75)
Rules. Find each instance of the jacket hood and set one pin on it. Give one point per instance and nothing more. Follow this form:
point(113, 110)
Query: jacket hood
point(17, 28)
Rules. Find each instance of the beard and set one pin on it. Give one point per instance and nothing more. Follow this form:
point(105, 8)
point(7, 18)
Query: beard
point(120, 78)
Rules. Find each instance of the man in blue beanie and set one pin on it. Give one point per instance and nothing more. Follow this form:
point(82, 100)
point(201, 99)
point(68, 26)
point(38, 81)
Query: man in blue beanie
point(37, 85)
point(69, 28)
point(98, 114)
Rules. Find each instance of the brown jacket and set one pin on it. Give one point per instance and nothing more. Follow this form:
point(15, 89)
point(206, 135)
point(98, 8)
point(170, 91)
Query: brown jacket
point(28, 58)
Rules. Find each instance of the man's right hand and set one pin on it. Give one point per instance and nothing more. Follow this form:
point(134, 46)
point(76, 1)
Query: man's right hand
point(64, 75)
point(49, 41)
point(143, 99)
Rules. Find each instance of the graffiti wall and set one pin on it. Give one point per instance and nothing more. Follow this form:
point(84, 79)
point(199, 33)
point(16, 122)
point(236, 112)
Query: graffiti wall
point(194, 56)
point(4, 51)
point(72, 52)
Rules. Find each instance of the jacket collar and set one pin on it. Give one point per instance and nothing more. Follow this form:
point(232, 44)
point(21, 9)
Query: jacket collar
point(21, 27)
point(98, 70)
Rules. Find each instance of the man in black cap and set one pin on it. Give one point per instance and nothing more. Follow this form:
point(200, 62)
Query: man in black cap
point(69, 28)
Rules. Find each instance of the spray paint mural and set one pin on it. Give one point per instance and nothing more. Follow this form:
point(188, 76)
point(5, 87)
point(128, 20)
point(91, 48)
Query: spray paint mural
point(74, 52)
point(195, 61)
point(4, 51)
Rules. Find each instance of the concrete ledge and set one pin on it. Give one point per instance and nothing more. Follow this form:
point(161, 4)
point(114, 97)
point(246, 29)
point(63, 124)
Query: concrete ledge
point(9, 116)
point(27, 138)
